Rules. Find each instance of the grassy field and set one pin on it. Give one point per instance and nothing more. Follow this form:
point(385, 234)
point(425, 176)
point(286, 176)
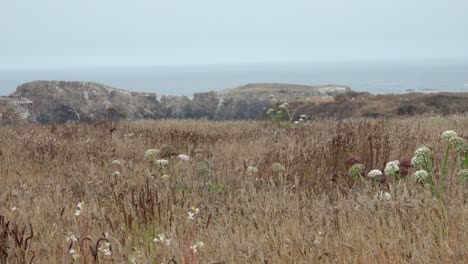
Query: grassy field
point(79, 193)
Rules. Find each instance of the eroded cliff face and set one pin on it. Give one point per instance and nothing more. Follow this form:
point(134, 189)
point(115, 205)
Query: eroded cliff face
point(15, 110)
point(61, 101)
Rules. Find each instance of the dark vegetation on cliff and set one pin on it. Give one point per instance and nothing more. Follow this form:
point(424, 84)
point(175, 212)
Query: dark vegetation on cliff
point(354, 104)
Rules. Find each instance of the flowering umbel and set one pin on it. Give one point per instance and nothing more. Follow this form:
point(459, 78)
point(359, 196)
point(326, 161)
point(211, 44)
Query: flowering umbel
point(448, 135)
point(277, 167)
point(356, 170)
point(392, 168)
point(252, 170)
point(151, 153)
point(421, 176)
point(374, 174)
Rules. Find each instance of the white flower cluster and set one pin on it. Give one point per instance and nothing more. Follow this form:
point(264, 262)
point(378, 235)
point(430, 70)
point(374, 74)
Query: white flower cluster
point(252, 170)
point(115, 163)
point(392, 167)
point(79, 209)
point(151, 153)
point(162, 162)
point(421, 176)
point(71, 238)
point(448, 135)
point(106, 250)
point(421, 155)
point(463, 174)
point(277, 167)
point(423, 151)
point(417, 161)
point(384, 196)
point(184, 157)
point(196, 248)
point(374, 174)
point(74, 254)
point(163, 240)
point(192, 213)
point(456, 141)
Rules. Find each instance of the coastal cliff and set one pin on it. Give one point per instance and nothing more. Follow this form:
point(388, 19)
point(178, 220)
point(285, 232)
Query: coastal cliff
point(49, 102)
point(61, 101)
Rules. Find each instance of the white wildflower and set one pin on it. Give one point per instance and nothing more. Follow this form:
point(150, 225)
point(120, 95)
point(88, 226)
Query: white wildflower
point(196, 248)
point(184, 157)
point(301, 120)
point(14, 209)
point(71, 238)
point(193, 211)
point(296, 122)
point(79, 208)
point(417, 161)
point(384, 196)
point(277, 167)
point(374, 174)
point(252, 169)
point(107, 252)
point(166, 176)
point(279, 112)
point(421, 176)
point(303, 116)
point(162, 162)
point(271, 110)
point(162, 239)
point(463, 174)
point(282, 106)
point(74, 254)
point(392, 168)
point(449, 134)
point(456, 141)
point(151, 153)
point(116, 162)
point(191, 216)
point(423, 152)
point(116, 173)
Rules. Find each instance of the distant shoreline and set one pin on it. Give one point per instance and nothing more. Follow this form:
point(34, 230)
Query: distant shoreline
point(190, 79)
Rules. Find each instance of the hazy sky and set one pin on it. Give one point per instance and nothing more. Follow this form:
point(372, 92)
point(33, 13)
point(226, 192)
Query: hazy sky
point(82, 33)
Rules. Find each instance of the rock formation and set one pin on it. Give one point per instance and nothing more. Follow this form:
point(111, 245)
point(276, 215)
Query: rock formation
point(61, 101)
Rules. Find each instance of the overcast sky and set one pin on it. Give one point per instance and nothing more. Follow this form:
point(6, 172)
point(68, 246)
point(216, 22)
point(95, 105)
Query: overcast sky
point(88, 33)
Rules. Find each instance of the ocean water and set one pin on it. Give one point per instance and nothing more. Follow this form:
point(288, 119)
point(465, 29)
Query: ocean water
point(396, 77)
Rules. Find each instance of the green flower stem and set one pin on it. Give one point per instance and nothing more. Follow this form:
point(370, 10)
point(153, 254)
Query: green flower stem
point(394, 183)
point(444, 169)
point(362, 179)
point(466, 160)
point(459, 162)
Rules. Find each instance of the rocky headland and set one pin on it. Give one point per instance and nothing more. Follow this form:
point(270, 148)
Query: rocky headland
point(48, 102)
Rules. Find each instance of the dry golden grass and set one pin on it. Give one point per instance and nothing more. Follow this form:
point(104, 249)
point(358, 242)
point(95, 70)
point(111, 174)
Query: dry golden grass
point(312, 213)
